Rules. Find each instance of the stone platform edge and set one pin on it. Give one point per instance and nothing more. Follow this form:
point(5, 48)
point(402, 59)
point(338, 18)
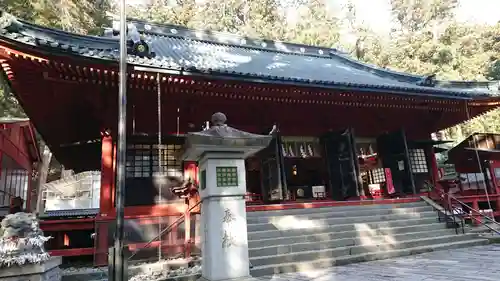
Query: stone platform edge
point(30, 269)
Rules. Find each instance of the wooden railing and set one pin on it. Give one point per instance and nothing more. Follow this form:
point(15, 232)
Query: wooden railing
point(168, 240)
point(474, 214)
point(158, 240)
point(458, 211)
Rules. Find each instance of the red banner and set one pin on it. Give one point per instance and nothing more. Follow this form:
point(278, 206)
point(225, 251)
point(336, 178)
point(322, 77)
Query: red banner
point(388, 181)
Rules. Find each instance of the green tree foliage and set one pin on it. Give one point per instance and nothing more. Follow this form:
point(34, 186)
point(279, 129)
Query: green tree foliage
point(316, 25)
point(362, 42)
point(430, 41)
point(260, 19)
point(80, 16)
point(9, 106)
point(417, 15)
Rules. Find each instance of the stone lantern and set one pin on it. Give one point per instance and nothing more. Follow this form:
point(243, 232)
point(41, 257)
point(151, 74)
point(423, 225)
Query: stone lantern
point(220, 152)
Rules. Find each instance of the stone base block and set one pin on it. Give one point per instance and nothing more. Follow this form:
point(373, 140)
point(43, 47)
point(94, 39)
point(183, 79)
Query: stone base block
point(47, 271)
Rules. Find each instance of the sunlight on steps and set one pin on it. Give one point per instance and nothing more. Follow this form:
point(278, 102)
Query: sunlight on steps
point(384, 243)
point(308, 240)
point(292, 222)
point(288, 222)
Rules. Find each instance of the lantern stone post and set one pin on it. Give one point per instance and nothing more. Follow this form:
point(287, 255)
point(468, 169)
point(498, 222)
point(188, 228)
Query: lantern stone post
point(221, 151)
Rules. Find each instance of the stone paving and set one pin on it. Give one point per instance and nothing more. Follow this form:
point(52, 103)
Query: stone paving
point(476, 263)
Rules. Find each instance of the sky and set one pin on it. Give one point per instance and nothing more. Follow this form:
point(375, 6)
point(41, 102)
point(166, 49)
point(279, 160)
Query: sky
point(376, 13)
point(482, 11)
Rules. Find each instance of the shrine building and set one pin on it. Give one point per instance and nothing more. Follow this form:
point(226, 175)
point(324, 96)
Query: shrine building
point(343, 130)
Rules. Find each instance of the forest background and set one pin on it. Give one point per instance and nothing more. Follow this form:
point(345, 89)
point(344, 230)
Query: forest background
point(426, 38)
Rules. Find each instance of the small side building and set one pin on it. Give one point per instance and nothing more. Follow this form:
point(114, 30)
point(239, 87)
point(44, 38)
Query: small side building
point(18, 153)
point(476, 161)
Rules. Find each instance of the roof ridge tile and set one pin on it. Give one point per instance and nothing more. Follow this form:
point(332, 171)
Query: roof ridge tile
point(183, 49)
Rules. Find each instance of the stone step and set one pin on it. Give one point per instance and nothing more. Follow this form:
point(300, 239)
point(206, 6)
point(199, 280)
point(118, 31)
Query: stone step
point(359, 239)
point(275, 233)
point(325, 262)
point(322, 235)
point(335, 208)
point(289, 222)
point(333, 213)
point(355, 250)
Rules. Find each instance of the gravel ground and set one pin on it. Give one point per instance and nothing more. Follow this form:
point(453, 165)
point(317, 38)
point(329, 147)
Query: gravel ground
point(163, 275)
point(145, 271)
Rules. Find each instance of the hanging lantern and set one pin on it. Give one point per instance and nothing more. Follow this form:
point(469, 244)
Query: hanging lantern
point(291, 151)
point(302, 151)
point(310, 150)
point(370, 150)
point(285, 154)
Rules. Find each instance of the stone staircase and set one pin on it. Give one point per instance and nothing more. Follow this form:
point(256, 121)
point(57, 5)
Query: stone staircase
point(303, 239)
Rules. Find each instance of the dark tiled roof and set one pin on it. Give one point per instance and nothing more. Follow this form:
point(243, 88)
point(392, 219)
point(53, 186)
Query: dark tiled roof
point(203, 52)
point(70, 213)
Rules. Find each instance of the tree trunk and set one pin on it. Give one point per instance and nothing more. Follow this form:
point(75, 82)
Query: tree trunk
point(43, 171)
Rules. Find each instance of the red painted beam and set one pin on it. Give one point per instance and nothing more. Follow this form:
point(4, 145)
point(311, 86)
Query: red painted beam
point(177, 248)
point(72, 252)
point(89, 224)
point(67, 225)
point(174, 209)
point(479, 198)
point(310, 205)
point(141, 220)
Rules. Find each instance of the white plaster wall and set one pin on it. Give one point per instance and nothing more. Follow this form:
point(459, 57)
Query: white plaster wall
point(90, 181)
point(67, 204)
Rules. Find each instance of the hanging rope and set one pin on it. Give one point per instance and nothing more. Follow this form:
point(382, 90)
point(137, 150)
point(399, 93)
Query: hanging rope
point(133, 120)
point(478, 159)
point(178, 121)
point(160, 158)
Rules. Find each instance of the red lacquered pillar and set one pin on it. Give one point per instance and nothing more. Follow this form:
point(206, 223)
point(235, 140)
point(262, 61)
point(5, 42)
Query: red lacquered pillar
point(106, 198)
point(107, 176)
point(476, 218)
point(434, 166)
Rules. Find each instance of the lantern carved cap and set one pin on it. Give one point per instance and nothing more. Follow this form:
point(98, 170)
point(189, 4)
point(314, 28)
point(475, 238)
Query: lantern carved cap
point(220, 129)
point(219, 119)
point(222, 138)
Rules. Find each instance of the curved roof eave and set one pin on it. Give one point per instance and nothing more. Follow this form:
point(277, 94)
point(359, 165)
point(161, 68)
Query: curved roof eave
point(228, 56)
